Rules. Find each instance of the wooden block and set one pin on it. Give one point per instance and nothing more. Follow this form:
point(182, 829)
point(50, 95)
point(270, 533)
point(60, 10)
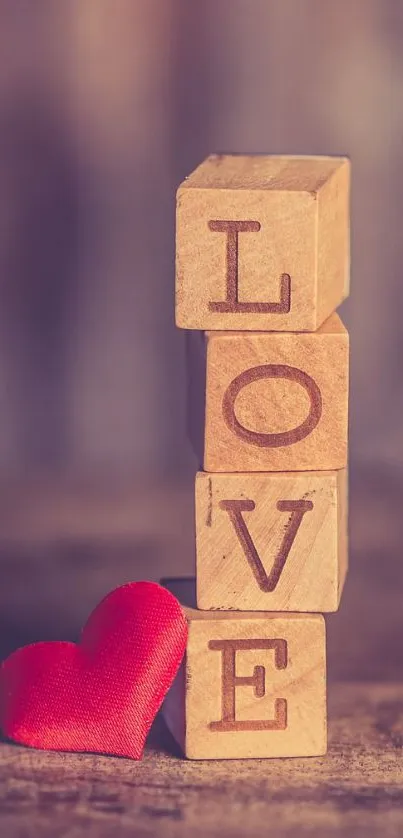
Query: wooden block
point(271, 542)
point(251, 685)
point(274, 401)
point(262, 243)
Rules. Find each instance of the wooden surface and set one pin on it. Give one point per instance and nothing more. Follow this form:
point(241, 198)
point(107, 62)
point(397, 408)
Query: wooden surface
point(262, 243)
point(353, 792)
point(252, 685)
point(62, 547)
point(271, 542)
point(276, 401)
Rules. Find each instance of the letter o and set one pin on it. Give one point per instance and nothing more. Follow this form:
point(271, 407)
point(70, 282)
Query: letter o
point(276, 440)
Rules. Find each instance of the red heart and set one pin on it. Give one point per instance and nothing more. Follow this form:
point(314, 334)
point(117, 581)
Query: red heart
point(102, 695)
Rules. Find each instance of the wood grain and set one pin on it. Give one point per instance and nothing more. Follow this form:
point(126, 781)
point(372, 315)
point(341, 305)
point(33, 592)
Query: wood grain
point(271, 542)
point(262, 243)
point(353, 792)
point(63, 546)
point(252, 685)
point(273, 401)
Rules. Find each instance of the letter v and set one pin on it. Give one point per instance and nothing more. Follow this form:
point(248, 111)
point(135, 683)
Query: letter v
point(235, 508)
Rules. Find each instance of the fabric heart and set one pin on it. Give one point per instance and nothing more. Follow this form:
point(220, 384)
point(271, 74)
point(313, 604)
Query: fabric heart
point(103, 694)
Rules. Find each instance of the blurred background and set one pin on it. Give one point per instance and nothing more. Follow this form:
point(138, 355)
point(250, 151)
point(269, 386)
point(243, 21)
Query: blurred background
point(105, 105)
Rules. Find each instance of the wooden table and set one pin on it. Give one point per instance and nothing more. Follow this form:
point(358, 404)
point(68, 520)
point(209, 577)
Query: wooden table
point(63, 547)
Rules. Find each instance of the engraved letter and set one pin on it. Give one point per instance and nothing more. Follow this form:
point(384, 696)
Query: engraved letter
point(235, 508)
point(232, 305)
point(230, 681)
point(276, 440)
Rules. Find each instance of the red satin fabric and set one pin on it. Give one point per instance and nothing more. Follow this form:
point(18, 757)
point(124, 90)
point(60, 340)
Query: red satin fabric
point(103, 694)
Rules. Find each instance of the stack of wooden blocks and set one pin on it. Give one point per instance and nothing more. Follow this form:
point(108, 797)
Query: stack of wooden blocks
point(262, 263)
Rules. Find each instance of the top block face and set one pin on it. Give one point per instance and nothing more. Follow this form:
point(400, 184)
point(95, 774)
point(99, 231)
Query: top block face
point(262, 243)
